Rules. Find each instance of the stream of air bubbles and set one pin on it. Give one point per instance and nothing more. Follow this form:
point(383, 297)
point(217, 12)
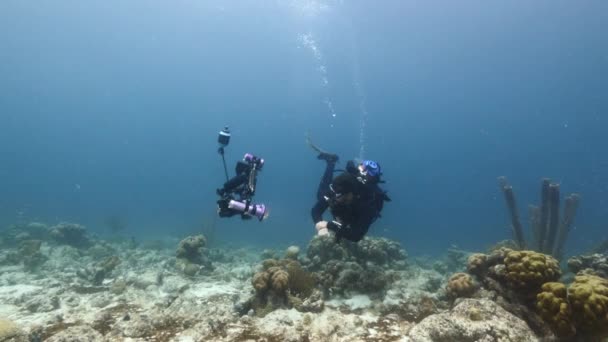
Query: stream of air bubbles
point(308, 40)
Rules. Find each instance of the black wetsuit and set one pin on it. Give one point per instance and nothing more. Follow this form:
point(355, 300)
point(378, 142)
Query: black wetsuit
point(352, 220)
point(237, 187)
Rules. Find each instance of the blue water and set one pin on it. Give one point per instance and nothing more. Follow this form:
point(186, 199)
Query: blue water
point(113, 108)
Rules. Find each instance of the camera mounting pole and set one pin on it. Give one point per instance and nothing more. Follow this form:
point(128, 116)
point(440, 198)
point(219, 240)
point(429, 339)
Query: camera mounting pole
point(223, 139)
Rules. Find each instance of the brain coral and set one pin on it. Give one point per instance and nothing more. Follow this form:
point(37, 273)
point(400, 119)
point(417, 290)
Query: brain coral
point(460, 285)
point(553, 307)
point(476, 262)
point(260, 281)
point(589, 299)
point(279, 280)
point(529, 269)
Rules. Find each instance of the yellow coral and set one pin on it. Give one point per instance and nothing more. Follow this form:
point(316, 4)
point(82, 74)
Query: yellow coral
point(279, 280)
point(553, 307)
point(460, 285)
point(589, 299)
point(529, 269)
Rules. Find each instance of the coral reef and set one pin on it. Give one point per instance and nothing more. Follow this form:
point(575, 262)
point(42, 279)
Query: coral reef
point(456, 260)
point(476, 263)
point(114, 291)
point(283, 284)
point(269, 254)
point(27, 231)
point(190, 249)
point(292, 252)
point(550, 233)
point(588, 296)
point(380, 251)
point(191, 255)
point(553, 306)
point(366, 267)
point(71, 234)
point(28, 254)
point(99, 271)
point(513, 279)
point(581, 311)
point(522, 271)
point(525, 284)
point(595, 264)
point(460, 285)
point(528, 270)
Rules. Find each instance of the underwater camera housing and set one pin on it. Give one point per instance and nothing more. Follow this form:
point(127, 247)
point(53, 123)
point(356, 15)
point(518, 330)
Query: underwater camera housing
point(223, 137)
point(257, 210)
point(253, 160)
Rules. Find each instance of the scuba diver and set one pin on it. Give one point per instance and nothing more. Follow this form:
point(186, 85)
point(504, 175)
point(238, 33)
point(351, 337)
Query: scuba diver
point(237, 193)
point(354, 198)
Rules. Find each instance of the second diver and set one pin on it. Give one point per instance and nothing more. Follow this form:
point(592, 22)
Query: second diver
point(354, 198)
point(236, 195)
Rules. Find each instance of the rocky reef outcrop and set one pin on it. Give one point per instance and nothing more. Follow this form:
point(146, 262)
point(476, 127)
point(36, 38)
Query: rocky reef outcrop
point(472, 320)
point(10, 332)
